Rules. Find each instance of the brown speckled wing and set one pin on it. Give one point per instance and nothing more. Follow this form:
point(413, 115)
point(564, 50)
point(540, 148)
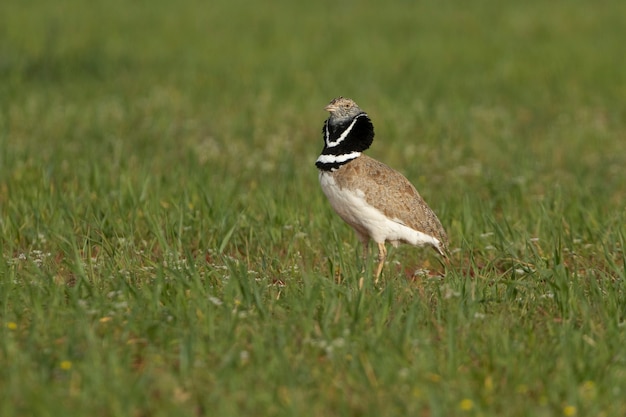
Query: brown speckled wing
point(391, 193)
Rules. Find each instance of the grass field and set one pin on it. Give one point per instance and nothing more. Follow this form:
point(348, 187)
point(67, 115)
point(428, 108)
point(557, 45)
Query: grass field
point(167, 250)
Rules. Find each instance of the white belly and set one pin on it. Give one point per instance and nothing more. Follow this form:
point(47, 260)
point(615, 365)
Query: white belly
point(365, 218)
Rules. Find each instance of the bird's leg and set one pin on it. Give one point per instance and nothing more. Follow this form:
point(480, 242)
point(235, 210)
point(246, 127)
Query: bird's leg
point(382, 254)
point(366, 254)
point(365, 240)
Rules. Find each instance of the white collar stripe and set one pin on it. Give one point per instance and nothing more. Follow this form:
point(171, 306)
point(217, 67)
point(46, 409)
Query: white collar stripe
point(337, 159)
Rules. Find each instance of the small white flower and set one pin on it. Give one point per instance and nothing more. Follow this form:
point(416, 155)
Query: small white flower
point(404, 373)
point(216, 301)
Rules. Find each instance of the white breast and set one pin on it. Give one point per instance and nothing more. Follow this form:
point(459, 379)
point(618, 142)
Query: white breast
point(357, 212)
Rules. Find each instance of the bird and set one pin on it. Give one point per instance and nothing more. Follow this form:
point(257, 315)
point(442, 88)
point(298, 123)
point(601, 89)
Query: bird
point(378, 202)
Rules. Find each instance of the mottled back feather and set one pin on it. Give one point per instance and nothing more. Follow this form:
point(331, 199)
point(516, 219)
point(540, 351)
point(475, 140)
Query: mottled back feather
point(392, 194)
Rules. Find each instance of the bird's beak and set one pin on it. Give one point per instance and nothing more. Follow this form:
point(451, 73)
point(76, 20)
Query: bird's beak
point(330, 108)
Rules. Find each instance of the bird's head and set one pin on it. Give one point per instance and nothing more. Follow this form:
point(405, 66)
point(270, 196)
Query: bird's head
point(342, 109)
point(348, 131)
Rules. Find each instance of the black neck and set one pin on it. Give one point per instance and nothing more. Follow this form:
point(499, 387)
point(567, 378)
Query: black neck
point(345, 141)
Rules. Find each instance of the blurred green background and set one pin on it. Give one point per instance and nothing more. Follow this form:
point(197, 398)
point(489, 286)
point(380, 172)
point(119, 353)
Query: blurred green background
point(166, 249)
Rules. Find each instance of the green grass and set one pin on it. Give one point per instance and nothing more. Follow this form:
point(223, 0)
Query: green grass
point(166, 249)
